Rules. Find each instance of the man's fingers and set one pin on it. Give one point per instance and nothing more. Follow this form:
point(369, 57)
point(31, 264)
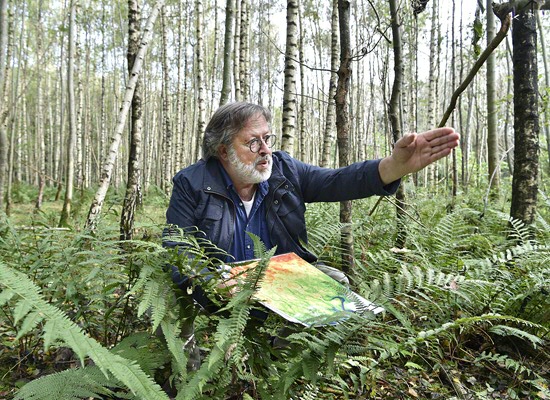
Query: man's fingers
point(406, 140)
point(445, 133)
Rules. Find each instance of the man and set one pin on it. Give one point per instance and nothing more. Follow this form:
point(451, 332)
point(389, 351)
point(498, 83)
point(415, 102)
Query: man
point(241, 185)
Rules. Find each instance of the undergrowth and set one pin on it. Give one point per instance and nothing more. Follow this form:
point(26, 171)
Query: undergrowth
point(467, 314)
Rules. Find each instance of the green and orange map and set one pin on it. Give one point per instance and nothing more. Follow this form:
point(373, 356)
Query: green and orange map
point(299, 292)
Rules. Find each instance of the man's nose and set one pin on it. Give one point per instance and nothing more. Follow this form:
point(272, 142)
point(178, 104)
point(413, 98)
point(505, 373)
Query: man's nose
point(264, 148)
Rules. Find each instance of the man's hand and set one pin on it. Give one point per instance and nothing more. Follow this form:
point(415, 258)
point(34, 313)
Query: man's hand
point(415, 151)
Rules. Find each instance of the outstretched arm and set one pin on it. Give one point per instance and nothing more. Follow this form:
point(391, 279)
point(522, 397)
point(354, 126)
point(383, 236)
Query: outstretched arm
point(415, 151)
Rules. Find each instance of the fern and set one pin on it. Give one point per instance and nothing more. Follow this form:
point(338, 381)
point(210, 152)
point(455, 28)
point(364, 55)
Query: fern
point(32, 309)
point(228, 349)
point(72, 384)
point(90, 381)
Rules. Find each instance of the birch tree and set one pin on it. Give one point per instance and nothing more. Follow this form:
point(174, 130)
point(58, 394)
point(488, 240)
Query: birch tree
point(3, 96)
point(526, 117)
point(342, 127)
point(396, 122)
point(227, 52)
point(133, 186)
point(244, 50)
point(546, 105)
point(328, 135)
point(492, 132)
point(97, 203)
point(199, 80)
point(166, 174)
point(39, 115)
point(71, 140)
point(291, 69)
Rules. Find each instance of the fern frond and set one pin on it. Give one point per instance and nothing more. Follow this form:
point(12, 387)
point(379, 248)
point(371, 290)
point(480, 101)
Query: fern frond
point(59, 327)
point(72, 384)
point(504, 330)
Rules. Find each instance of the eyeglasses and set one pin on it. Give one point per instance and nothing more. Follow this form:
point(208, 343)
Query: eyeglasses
point(256, 144)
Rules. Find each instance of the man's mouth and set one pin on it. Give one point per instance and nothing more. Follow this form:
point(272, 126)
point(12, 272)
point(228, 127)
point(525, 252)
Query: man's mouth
point(263, 161)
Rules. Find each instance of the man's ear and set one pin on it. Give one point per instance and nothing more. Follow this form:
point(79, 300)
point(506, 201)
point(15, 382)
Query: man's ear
point(222, 152)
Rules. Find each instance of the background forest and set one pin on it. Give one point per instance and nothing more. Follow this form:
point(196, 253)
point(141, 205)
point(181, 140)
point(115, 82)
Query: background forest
point(102, 102)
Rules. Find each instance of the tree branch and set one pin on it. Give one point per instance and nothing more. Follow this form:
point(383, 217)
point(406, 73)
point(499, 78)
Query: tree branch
point(505, 21)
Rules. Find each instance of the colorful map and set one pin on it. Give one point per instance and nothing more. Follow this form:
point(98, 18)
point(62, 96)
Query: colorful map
point(299, 292)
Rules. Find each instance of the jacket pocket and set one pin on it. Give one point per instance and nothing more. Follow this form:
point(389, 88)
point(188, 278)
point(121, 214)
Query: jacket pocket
point(291, 212)
point(208, 215)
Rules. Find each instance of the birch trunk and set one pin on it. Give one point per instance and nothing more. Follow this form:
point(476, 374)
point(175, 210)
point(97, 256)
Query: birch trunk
point(432, 76)
point(492, 131)
point(244, 53)
point(291, 67)
point(97, 203)
point(133, 187)
point(526, 117)
point(4, 68)
point(395, 117)
point(302, 111)
point(237, 51)
point(342, 128)
point(546, 125)
point(71, 140)
point(328, 136)
point(201, 92)
point(167, 156)
point(227, 52)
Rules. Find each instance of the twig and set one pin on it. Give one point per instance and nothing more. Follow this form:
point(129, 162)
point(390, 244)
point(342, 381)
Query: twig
point(506, 21)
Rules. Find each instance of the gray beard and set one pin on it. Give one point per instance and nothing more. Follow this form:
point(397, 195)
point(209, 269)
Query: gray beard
point(248, 174)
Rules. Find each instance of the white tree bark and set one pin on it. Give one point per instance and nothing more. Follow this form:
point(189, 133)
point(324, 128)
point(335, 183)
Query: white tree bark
point(97, 202)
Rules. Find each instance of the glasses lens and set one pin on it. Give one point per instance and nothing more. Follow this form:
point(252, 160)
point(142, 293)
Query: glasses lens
point(255, 145)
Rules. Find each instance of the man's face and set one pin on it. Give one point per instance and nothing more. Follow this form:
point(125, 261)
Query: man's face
point(244, 166)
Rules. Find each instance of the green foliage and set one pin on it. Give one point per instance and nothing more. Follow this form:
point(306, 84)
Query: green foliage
point(31, 309)
point(467, 312)
point(91, 381)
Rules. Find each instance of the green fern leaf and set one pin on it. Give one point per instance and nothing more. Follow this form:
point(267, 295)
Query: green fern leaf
point(68, 332)
point(72, 384)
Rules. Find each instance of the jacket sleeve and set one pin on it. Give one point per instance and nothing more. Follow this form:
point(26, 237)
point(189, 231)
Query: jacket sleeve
point(180, 222)
point(356, 181)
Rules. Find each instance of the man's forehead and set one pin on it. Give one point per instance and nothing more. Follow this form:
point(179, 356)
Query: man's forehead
point(254, 126)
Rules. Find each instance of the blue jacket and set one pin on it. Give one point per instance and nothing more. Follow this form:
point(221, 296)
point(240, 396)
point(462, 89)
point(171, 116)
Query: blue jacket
point(200, 199)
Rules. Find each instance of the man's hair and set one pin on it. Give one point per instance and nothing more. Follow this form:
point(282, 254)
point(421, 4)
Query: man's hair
point(226, 122)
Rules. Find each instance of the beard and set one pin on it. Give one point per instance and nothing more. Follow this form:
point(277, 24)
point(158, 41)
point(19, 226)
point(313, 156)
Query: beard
point(248, 173)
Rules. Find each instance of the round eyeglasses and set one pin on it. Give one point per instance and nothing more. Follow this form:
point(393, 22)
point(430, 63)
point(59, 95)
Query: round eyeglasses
point(256, 144)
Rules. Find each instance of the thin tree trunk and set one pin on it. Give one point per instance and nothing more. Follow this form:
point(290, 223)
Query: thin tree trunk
point(227, 52)
point(291, 69)
point(97, 202)
point(492, 132)
point(244, 53)
point(328, 137)
point(167, 126)
point(71, 140)
point(200, 79)
point(133, 187)
point(526, 117)
point(342, 128)
point(428, 172)
point(395, 120)
point(237, 51)
point(546, 125)
point(509, 154)
point(4, 68)
point(302, 110)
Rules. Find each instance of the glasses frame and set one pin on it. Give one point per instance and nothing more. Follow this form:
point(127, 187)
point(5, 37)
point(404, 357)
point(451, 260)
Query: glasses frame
point(260, 141)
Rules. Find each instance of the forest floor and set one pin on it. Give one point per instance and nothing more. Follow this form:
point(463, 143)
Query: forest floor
point(475, 359)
